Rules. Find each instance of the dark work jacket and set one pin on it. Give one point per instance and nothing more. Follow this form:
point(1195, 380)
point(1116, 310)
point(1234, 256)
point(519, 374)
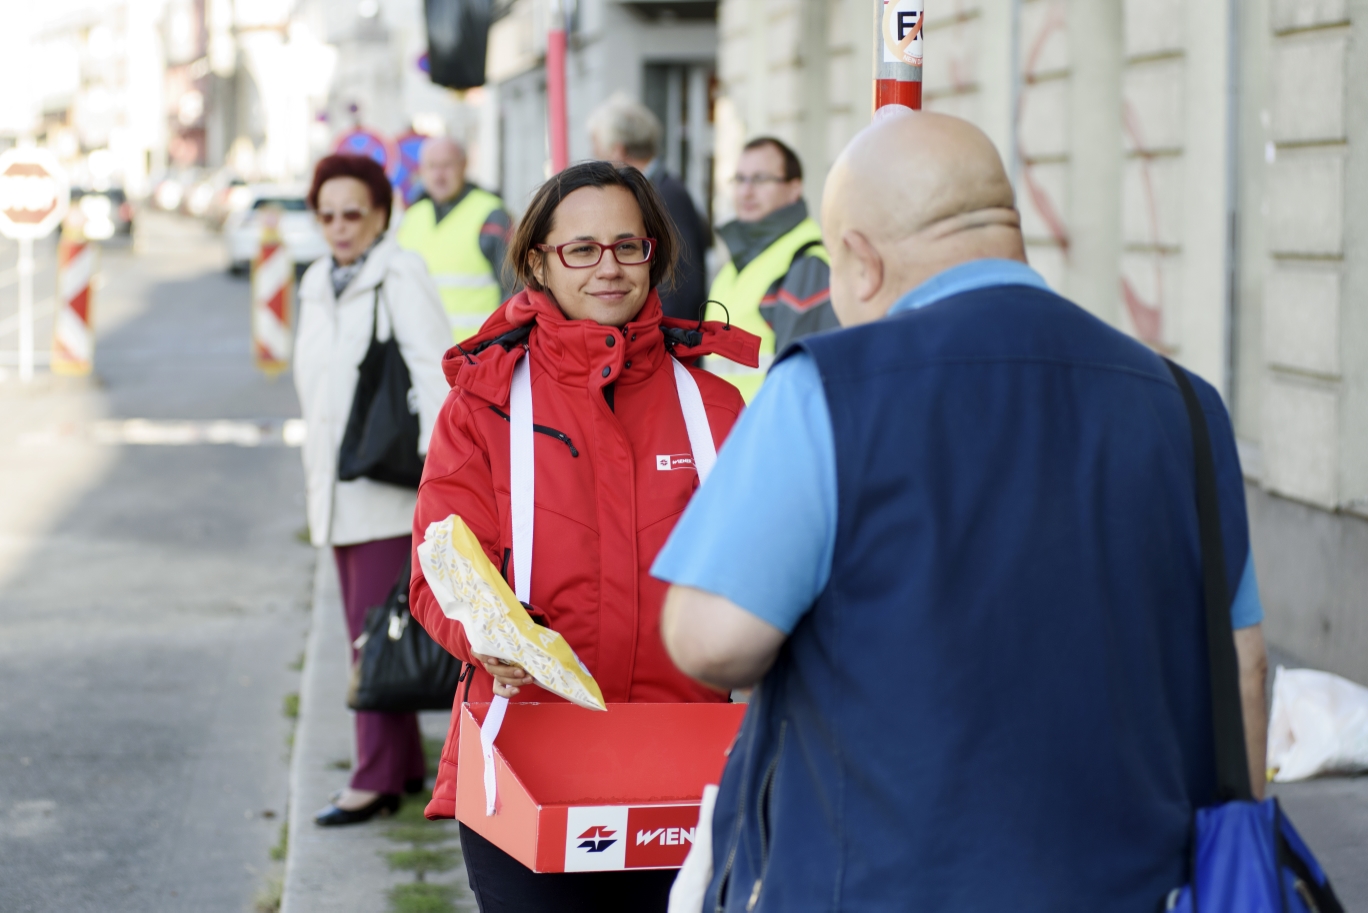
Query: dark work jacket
point(1000, 700)
point(691, 277)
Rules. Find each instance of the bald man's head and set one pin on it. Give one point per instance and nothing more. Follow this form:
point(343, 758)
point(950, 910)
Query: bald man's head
point(913, 194)
point(441, 167)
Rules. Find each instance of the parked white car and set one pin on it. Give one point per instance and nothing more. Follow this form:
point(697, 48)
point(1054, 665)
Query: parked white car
point(298, 229)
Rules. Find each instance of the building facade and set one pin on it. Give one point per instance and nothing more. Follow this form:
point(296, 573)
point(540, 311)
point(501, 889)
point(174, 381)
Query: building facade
point(657, 51)
point(1195, 174)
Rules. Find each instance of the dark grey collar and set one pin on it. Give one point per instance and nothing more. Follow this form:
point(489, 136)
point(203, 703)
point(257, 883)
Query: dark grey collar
point(442, 210)
point(748, 240)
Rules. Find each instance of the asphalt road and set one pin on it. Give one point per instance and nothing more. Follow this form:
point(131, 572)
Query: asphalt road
point(153, 597)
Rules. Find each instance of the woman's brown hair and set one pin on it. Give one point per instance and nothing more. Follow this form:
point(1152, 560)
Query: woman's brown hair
point(536, 222)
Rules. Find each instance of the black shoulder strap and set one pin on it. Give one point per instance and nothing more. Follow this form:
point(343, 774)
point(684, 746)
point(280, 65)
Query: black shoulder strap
point(802, 251)
point(1232, 764)
point(375, 313)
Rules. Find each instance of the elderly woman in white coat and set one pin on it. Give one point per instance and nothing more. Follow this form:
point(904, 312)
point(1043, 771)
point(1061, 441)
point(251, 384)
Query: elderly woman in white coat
point(366, 522)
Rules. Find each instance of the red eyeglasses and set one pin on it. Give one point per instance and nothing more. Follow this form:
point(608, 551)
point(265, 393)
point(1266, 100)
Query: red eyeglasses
point(584, 254)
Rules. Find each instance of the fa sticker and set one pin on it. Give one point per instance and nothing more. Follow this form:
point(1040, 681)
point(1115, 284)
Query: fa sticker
point(902, 28)
point(668, 461)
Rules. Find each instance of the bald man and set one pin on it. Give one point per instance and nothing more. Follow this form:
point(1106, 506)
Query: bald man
point(973, 603)
point(461, 232)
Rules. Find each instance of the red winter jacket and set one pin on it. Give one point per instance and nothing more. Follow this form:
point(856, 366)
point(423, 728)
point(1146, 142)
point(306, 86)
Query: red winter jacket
point(603, 509)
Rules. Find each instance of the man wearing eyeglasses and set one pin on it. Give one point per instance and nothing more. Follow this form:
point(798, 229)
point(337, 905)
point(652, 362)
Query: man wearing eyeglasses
point(461, 232)
point(777, 284)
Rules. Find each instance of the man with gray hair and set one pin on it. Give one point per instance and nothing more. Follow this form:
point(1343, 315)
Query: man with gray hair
point(625, 132)
point(461, 232)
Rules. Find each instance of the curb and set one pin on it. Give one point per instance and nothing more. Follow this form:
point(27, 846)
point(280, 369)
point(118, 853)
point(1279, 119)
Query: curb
point(332, 869)
point(338, 869)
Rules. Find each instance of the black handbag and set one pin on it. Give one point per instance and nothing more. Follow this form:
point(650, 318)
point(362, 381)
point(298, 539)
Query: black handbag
point(381, 439)
point(399, 668)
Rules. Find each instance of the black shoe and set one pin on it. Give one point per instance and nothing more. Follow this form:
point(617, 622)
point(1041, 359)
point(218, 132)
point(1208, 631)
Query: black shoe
point(383, 804)
point(412, 786)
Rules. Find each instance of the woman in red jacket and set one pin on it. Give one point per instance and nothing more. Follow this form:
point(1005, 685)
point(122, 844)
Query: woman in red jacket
point(613, 467)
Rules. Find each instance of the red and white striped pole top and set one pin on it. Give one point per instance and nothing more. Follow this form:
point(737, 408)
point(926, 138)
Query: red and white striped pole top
point(898, 53)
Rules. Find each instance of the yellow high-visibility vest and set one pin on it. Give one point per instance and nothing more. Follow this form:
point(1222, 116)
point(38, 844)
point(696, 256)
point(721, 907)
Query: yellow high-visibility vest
point(451, 249)
point(743, 291)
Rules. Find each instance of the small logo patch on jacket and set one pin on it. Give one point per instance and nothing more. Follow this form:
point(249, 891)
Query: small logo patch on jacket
point(667, 461)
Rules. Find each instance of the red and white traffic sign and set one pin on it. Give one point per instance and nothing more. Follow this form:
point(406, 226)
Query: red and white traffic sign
point(34, 193)
point(73, 336)
point(272, 301)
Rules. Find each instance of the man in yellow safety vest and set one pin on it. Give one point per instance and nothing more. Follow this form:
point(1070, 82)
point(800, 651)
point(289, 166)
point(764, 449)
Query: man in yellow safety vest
point(777, 283)
point(461, 232)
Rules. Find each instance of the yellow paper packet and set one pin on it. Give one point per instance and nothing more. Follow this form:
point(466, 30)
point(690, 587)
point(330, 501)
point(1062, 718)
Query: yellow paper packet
point(470, 590)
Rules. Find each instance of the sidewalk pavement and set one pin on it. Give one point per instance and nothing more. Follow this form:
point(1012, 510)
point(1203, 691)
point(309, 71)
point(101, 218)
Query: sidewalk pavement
point(1331, 814)
point(348, 869)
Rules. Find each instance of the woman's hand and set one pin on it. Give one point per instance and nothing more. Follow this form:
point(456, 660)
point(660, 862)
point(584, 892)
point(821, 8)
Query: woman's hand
point(508, 679)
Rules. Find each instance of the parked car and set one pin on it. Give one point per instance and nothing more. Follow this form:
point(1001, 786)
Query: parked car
point(300, 233)
point(231, 194)
point(104, 213)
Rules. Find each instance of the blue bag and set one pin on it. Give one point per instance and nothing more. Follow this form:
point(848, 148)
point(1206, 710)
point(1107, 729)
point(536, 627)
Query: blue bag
point(1246, 856)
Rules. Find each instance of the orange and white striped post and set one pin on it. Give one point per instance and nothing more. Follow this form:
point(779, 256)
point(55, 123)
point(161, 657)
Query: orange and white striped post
point(272, 300)
point(73, 333)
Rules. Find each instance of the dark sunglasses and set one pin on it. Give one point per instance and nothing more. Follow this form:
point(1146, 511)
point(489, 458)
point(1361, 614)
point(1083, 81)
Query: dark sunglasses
point(346, 215)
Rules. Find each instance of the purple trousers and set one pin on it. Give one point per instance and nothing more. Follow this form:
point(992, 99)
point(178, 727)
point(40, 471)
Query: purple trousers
point(389, 747)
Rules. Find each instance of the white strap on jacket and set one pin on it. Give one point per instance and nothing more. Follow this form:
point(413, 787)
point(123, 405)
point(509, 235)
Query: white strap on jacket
point(522, 491)
point(522, 486)
point(521, 476)
point(695, 420)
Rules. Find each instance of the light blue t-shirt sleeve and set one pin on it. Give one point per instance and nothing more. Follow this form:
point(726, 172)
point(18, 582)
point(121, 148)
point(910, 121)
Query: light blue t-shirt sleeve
point(762, 530)
point(1247, 608)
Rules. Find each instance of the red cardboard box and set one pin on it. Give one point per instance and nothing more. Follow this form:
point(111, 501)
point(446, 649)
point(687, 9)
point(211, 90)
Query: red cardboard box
point(588, 791)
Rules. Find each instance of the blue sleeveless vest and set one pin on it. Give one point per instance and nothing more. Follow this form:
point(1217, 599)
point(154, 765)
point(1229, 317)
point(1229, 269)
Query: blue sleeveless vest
point(999, 703)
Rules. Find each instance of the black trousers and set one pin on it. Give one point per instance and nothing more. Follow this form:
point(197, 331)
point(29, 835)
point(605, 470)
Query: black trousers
point(502, 884)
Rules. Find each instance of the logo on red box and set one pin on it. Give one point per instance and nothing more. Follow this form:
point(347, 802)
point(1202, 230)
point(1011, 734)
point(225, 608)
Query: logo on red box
point(604, 838)
point(660, 836)
point(594, 838)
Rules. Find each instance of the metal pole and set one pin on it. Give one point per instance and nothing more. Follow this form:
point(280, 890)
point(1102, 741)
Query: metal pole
point(898, 53)
point(556, 116)
point(25, 310)
point(1232, 252)
point(1013, 148)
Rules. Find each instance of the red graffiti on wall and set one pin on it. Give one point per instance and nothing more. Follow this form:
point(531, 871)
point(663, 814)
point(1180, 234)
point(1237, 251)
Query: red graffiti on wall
point(1147, 318)
point(1040, 197)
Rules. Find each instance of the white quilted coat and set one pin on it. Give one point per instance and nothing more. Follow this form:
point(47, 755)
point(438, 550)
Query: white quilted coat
point(331, 340)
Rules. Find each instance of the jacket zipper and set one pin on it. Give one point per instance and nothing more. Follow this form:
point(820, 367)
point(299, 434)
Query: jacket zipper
point(762, 810)
point(543, 429)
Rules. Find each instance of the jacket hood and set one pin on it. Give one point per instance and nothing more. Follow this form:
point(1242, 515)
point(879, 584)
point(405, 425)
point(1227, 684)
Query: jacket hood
point(574, 350)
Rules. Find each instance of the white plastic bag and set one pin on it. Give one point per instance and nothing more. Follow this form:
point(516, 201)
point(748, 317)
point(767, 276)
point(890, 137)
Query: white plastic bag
point(691, 884)
point(1319, 724)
